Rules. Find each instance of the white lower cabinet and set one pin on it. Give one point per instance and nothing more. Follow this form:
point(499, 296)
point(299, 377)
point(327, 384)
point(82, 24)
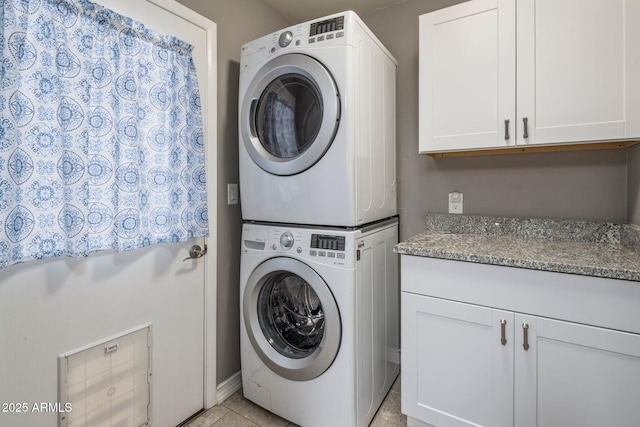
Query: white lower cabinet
point(575, 375)
point(472, 365)
point(457, 371)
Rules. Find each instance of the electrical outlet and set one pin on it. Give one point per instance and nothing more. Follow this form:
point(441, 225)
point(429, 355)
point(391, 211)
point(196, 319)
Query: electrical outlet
point(455, 203)
point(232, 194)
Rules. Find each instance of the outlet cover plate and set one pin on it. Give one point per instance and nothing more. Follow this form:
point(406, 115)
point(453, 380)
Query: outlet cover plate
point(455, 203)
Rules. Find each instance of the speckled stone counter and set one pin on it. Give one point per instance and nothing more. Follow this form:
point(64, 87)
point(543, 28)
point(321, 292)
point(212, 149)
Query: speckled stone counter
point(576, 247)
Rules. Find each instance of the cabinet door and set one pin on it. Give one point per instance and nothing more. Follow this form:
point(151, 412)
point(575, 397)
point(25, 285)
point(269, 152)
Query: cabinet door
point(578, 70)
point(467, 76)
point(575, 375)
point(455, 369)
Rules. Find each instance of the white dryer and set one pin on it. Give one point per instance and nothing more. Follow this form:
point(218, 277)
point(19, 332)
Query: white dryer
point(319, 324)
point(317, 125)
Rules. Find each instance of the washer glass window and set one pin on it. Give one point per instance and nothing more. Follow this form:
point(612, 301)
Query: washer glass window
point(291, 318)
point(290, 315)
point(289, 115)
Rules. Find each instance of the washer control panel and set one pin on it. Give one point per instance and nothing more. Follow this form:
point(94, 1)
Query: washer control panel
point(332, 247)
point(324, 241)
point(327, 245)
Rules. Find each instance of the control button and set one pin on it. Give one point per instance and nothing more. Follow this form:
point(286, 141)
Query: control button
point(312, 40)
point(299, 250)
point(274, 247)
point(297, 42)
point(331, 254)
point(340, 34)
point(285, 39)
point(340, 255)
point(320, 38)
point(273, 49)
point(313, 252)
point(322, 253)
point(329, 36)
point(286, 240)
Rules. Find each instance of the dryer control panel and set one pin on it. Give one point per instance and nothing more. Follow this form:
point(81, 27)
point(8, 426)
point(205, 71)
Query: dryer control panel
point(328, 25)
point(326, 30)
point(331, 31)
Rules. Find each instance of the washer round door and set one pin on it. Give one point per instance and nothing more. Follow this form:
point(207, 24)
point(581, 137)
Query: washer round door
point(292, 319)
point(290, 114)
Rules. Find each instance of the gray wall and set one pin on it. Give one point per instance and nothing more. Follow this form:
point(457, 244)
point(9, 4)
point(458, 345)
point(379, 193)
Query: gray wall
point(239, 21)
point(633, 184)
point(581, 185)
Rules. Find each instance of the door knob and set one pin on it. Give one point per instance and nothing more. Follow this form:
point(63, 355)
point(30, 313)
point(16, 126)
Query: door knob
point(196, 252)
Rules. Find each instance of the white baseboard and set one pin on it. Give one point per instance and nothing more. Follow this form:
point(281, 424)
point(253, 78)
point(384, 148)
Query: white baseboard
point(229, 386)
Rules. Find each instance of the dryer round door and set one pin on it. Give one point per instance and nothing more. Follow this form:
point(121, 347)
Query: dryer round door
point(292, 319)
point(290, 114)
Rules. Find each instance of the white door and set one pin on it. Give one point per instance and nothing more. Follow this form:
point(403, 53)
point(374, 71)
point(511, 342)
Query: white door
point(577, 72)
point(463, 369)
point(575, 375)
point(467, 79)
point(54, 306)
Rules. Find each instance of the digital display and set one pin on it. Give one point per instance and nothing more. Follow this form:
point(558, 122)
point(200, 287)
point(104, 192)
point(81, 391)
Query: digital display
point(322, 27)
point(321, 241)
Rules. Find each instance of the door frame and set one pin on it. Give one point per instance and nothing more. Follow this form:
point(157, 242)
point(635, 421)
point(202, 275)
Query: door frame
point(209, 100)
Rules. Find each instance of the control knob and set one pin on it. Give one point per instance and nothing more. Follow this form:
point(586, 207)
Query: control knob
point(286, 240)
point(285, 39)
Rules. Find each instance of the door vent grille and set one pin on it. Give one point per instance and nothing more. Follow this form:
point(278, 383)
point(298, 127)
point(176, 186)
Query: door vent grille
point(108, 382)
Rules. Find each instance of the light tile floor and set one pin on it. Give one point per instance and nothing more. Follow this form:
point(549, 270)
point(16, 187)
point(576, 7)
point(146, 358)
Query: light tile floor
point(237, 411)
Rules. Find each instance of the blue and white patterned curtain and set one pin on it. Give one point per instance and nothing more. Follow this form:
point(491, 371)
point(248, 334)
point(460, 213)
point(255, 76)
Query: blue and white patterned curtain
point(101, 140)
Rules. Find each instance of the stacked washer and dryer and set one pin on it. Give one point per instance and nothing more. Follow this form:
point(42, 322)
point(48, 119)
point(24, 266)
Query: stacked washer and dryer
point(319, 279)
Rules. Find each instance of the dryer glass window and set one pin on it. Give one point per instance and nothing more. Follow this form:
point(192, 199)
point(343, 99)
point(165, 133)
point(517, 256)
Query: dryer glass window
point(290, 315)
point(289, 115)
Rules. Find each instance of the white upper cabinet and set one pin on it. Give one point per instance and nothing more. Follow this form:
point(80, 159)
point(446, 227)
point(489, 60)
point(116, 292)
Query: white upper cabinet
point(467, 78)
point(569, 69)
point(577, 70)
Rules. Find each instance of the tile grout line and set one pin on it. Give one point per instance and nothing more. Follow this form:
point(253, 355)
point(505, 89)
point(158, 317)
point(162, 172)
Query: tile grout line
point(240, 415)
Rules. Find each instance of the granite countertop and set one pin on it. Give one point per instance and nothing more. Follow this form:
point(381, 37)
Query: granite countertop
point(576, 247)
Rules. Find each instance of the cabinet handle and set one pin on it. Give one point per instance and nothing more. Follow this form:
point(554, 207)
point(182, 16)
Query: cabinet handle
point(525, 122)
point(525, 330)
point(503, 327)
point(506, 129)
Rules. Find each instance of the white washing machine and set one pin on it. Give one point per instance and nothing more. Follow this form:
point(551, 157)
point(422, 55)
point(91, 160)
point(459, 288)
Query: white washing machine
point(317, 125)
point(319, 321)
